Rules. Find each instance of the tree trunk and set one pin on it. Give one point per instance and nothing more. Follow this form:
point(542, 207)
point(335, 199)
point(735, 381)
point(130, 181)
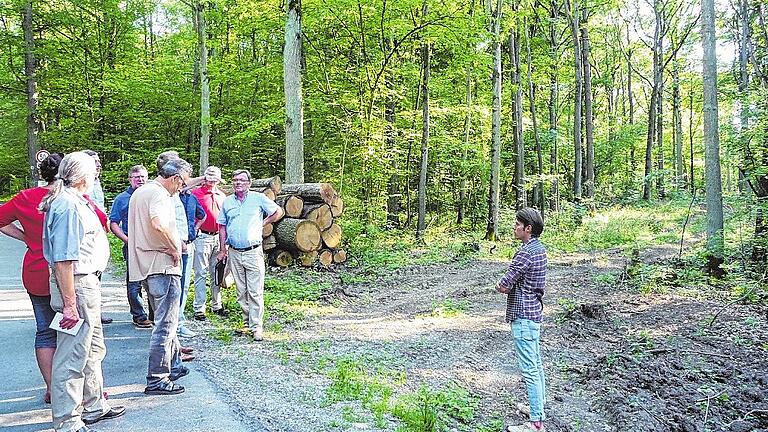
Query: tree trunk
point(553, 99)
point(678, 120)
point(339, 256)
point(320, 214)
point(577, 63)
point(491, 232)
point(294, 103)
point(292, 204)
point(337, 207)
point(297, 234)
point(311, 192)
point(521, 200)
point(306, 259)
point(205, 89)
point(660, 125)
point(266, 230)
point(30, 72)
point(282, 258)
point(269, 242)
point(467, 130)
point(273, 183)
point(390, 129)
point(589, 128)
point(744, 48)
point(538, 194)
point(422, 215)
point(332, 236)
point(691, 178)
point(325, 257)
point(268, 192)
point(712, 141)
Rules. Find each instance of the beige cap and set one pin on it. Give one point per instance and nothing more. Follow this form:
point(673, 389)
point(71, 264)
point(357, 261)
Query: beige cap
point(213, 173)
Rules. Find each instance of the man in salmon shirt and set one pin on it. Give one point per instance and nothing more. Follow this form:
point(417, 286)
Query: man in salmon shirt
point(207, 243)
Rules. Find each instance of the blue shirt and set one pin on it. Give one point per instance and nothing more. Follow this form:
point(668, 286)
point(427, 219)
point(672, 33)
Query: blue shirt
point(244, 219)
point(194, 211)
point(119, 212)
point(72, 232)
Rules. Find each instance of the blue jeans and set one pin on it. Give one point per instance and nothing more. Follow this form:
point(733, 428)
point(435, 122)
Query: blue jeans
point(45, 337)
point(164, 347)
point(134, 293)
point(526, 334)
point(186, 273)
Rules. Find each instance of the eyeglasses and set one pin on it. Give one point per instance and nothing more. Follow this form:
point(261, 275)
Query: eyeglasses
point(240, 180)
point(183, 183)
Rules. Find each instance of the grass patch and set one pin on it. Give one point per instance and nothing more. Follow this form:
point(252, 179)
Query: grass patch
point(383, 392)
point(449, 308)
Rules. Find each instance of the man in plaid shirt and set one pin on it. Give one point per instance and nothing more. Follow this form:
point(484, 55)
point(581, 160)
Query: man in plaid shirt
point(524, 285)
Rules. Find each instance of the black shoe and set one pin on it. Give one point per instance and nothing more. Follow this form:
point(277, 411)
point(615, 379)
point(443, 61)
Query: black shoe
point(221, 312)
point(200, 316)
point(183, 371)
point(115, 411)
point(164, 388)
point(106, 320)
point(142, 324)
point(86, 429)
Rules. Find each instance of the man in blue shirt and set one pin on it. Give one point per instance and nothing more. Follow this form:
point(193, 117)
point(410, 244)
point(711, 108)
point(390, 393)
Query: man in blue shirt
point(242, 217)
point(118, 224)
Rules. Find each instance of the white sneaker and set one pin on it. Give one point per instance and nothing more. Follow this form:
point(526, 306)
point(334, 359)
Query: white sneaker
point(186, 333)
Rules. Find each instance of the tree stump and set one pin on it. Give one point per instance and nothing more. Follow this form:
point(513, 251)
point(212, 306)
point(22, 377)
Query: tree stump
point(332, 236)
point(298, 234)
point(292, 204)
point(319, 213)
point(312, 192)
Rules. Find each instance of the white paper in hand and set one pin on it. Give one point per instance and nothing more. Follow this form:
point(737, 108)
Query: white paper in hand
point(56, 324)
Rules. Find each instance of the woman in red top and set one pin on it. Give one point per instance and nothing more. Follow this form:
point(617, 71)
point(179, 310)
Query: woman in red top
point(35, 274)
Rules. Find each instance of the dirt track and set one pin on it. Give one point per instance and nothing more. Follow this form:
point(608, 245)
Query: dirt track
point(616, 360)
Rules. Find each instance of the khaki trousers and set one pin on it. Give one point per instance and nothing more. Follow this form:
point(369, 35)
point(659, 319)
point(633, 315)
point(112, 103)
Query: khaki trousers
point(77, 377)
point(248, 269)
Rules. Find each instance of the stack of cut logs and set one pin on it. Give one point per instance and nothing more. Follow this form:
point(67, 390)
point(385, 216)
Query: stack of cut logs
point(308, 233)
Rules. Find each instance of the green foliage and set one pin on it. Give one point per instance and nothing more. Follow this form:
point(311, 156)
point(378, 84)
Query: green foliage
point(449, 308)
point(568, 308)
point(381, 391)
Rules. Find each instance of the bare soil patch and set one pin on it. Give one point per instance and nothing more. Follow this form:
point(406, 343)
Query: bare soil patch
point(616, 359)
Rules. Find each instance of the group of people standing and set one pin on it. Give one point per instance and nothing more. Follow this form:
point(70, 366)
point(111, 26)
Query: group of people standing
point(162, 224)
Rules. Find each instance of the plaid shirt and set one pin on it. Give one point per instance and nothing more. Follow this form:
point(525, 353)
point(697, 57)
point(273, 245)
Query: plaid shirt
point(526, 278)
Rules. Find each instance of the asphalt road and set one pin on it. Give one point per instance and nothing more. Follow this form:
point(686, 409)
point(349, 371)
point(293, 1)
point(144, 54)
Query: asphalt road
point(22, 409)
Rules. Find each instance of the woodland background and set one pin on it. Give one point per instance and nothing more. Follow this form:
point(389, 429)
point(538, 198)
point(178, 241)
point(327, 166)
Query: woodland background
point(421, 113)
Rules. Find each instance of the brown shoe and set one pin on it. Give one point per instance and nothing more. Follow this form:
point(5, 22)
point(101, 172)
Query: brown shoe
point(143, 324)
point(187, 350)
point(187, 357)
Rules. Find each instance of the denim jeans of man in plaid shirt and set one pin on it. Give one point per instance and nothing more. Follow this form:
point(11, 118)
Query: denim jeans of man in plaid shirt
point(524, 285)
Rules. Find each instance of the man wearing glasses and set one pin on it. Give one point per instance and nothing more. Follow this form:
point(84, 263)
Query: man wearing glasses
point(118, 224)
point(241, 220)
point(154, 254)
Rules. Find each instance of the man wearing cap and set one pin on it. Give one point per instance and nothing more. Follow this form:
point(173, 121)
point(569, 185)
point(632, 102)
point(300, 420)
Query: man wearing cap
point(242, 217)
point(207, 243)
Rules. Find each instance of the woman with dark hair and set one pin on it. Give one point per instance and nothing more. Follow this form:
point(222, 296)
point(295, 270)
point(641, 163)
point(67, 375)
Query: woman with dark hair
point(35, 274)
